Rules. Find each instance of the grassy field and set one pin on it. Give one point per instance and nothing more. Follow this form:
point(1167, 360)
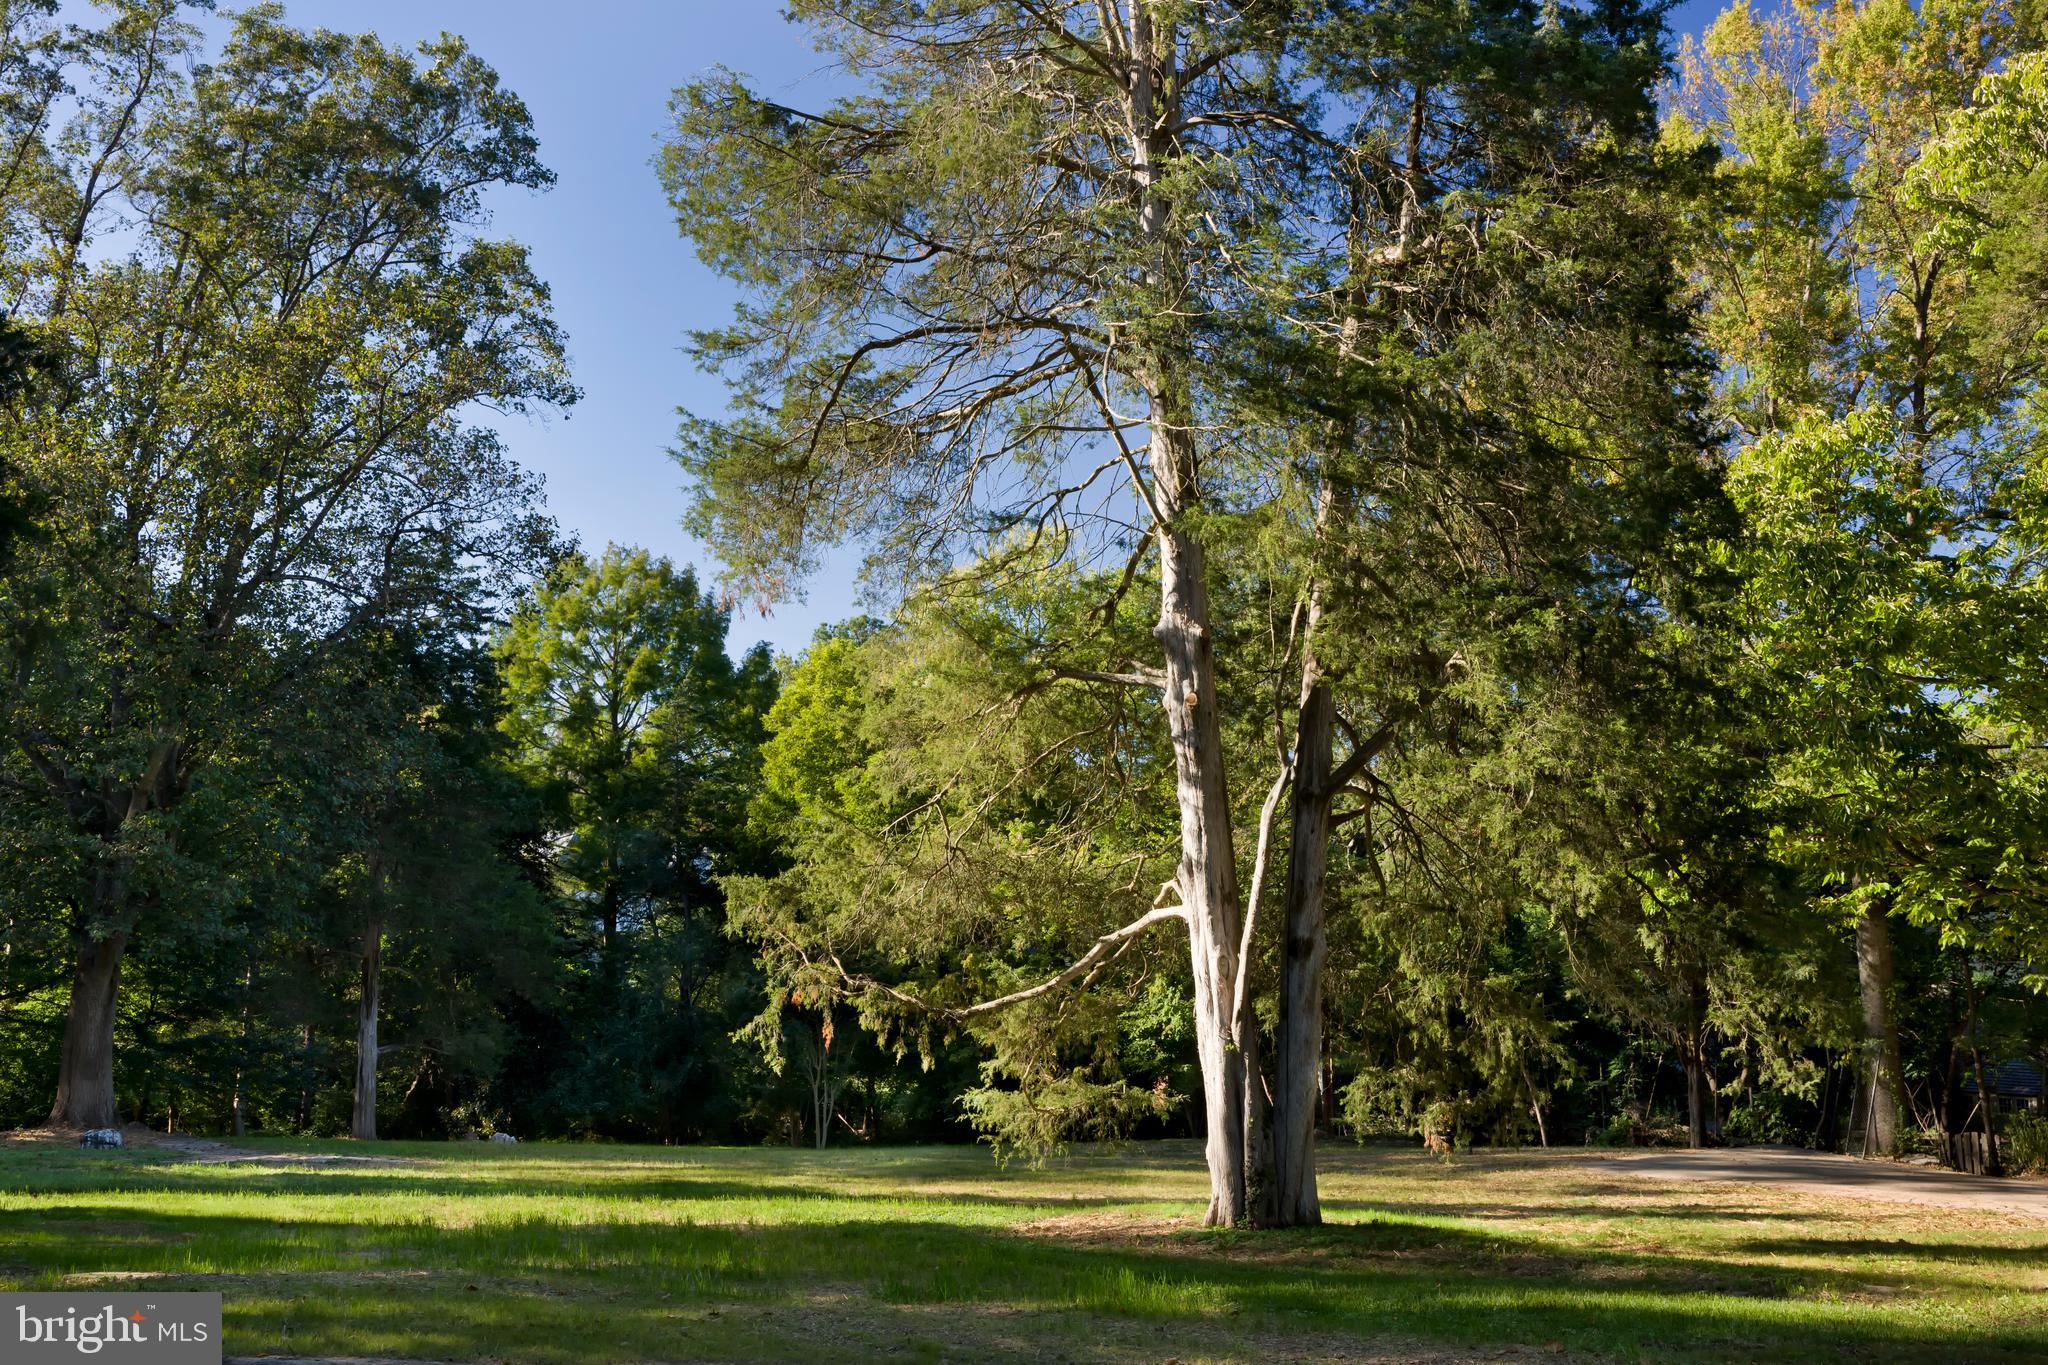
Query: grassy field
point(586, 1254)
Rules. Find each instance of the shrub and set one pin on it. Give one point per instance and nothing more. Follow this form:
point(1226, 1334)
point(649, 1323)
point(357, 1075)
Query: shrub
point(2027, 1135)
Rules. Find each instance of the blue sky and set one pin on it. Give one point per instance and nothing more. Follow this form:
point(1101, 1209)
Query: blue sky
point(597, 78)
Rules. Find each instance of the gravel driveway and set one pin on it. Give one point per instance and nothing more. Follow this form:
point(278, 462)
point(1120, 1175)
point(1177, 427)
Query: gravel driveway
point(1847, 1176)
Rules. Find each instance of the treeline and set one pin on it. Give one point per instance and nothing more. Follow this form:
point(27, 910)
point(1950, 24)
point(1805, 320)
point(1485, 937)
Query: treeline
point(1458, 574)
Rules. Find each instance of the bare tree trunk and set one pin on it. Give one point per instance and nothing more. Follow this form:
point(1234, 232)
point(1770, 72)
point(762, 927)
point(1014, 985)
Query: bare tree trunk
point(1297, 1064)
point(363, 1123)
point(1696, 1098)
point(1536, 1108)
point(1208, 872)
point(85, 1076)
point(1881, 1038)
point(821, 1090)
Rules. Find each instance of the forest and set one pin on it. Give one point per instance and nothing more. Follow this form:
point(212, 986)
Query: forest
point(1469, 572)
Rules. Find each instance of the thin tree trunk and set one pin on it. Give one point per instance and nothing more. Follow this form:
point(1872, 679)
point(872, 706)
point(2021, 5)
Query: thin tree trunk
point(239, 1102)
point(1986, 1100)
point(303, 1119)
point(1693, 1046)
point(1880, 1035)
point(1948, 1106)
point(1536, 1108)
point(363, 1123)
point(85, 1075)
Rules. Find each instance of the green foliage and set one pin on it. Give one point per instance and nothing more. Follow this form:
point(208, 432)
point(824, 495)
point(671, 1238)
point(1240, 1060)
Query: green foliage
point(961, 825)
point(2027, 1137)
point(1660, 507)
point(624, 713)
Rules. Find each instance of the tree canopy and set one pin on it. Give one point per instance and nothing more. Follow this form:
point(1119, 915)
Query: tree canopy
point(1464, 572)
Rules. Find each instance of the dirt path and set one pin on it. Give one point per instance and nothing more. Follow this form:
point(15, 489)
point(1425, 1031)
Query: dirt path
point(1846, 1176)
point(200, 1150)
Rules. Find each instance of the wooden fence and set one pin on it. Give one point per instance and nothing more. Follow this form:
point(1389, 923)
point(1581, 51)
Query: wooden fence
point(1970, 1152)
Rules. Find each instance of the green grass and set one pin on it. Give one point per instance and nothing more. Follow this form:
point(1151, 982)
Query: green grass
point(584, 1254)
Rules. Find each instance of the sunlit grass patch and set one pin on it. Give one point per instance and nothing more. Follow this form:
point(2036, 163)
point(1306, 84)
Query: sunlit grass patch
point(583, 1254)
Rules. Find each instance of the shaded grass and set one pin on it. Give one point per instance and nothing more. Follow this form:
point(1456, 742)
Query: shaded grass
point(584, 1254)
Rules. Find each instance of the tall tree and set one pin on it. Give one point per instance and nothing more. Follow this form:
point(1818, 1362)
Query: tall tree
point(423, 886)
point(602, 665)
point(1489, 379)
point(969, 274)
point(624, 711)
point(1883, 403)
point(1002, 245)
point(259, 454)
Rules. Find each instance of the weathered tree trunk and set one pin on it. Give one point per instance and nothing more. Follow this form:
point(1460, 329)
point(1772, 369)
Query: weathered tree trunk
point(85, 1075)
point(1207, 876)
point(363, 1122)
point(1297, 1064)
point(1208, 873)
point(1882, 1100)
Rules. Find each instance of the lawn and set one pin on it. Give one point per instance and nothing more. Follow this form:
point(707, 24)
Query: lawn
point(586, 1253)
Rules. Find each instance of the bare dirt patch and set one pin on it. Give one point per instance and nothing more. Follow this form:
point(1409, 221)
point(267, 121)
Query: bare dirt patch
point(1109, 1228)
point(210, 1151)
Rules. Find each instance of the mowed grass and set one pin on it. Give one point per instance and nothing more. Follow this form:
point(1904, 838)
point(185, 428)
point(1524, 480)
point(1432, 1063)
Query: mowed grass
point(551, 1253)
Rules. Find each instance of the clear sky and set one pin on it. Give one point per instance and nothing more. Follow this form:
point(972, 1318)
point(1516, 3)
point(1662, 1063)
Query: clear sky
point(597, 77)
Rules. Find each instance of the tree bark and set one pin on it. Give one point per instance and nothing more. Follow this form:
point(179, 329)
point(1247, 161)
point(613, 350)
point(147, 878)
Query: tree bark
point(1880, 1035)
point(85, 1075)
point(303, 1118)
point(1297, 1064)
point(1207, 876)
point(1698, 1098)
point(363, 1122)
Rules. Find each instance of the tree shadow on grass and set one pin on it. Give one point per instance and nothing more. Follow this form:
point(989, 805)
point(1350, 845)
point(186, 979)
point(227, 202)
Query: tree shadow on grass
point(1834, 1248)
point(543, 1289)
point(215, 1179)
point(1513, 1210)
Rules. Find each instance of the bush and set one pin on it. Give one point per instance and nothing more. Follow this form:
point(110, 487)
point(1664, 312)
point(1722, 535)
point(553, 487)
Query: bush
point(1764, 1118)
point(2027, 1135)
point(1619, 1132)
